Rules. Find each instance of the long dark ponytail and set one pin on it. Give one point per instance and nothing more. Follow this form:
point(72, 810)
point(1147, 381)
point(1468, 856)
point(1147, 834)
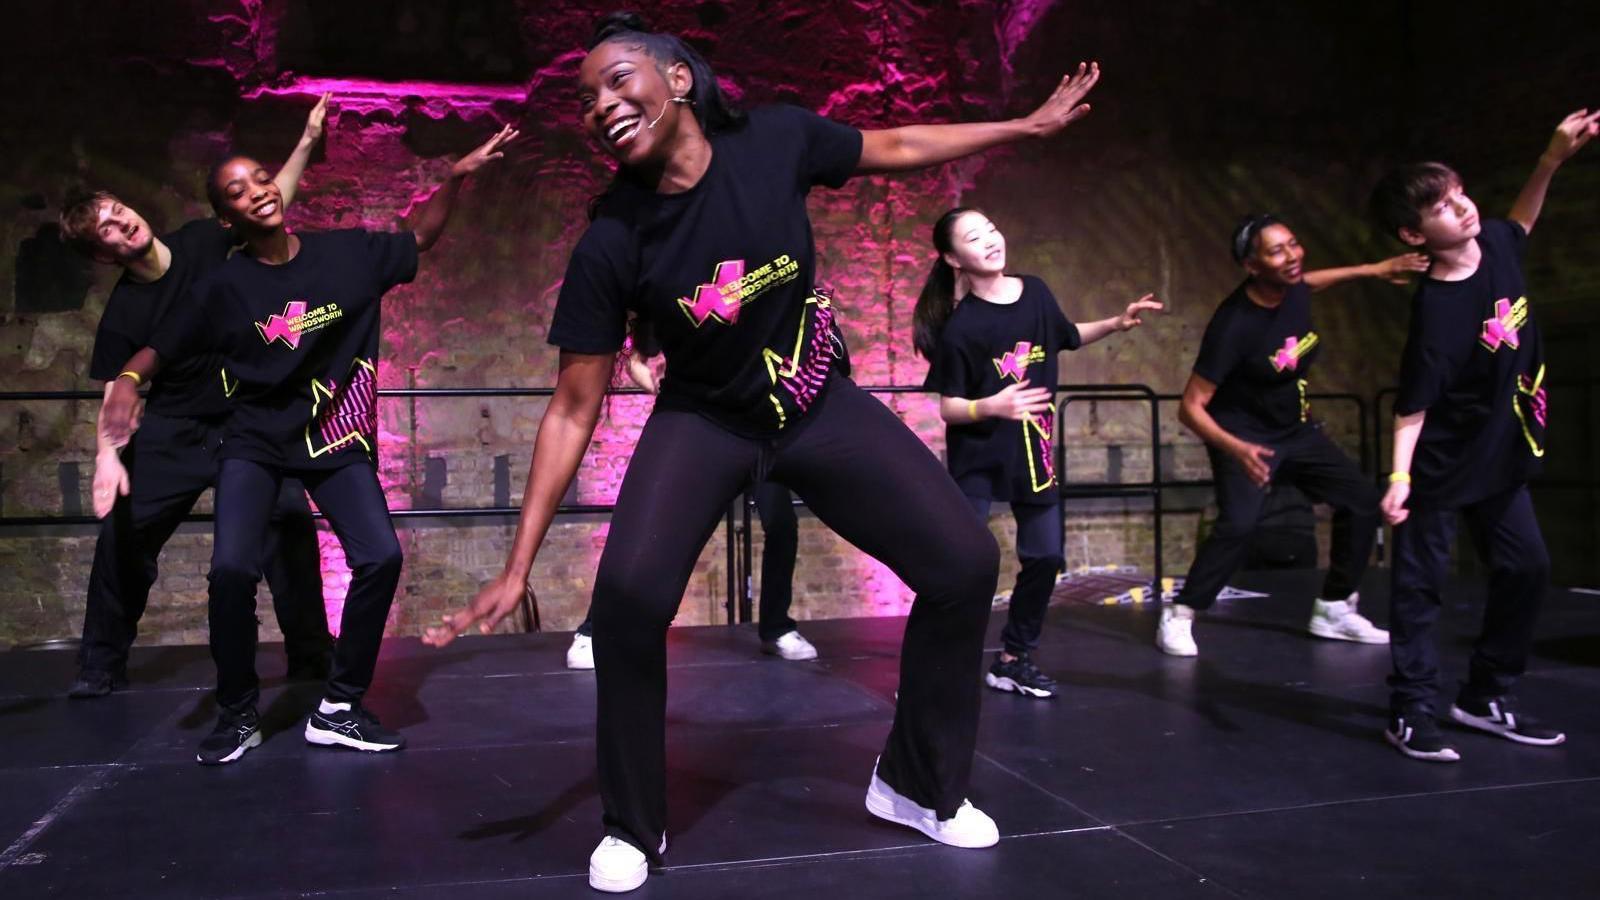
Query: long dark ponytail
point(938, 297)
point(711, 106)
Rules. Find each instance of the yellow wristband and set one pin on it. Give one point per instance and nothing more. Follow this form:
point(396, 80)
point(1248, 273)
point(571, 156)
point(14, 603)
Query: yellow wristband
point(137, 379)
point(1399, 477)
point(972, 410)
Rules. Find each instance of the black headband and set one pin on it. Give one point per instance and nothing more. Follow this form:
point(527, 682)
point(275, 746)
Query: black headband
point(1245, 234)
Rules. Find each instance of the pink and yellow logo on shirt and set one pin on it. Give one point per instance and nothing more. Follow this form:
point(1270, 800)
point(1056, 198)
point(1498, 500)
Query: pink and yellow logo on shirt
point(1502, 328)
point(732, 287)
point(1288, 356)
point(1014, 363)
point(297, 320)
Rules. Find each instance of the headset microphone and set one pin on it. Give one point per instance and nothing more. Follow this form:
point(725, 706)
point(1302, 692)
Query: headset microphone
point(663, 112)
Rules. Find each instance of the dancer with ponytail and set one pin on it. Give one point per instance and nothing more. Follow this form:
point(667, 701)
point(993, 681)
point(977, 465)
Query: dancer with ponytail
point(991, 340)
point(704, 234)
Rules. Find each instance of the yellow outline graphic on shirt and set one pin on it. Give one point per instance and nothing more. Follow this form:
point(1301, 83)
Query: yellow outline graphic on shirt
point(1301, 348)
point(1030, 426)
point(1538, 379)
point(228, 389)
point(1305, 405)
point(319, 391)
point(770, 356)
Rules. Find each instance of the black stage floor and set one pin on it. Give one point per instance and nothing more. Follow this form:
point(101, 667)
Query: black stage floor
point(1255, 771)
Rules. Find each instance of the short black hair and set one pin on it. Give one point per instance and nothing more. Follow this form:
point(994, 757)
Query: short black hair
point(1404, 192)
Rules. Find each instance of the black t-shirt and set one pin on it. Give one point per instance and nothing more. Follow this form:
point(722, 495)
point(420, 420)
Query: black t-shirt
point(986, 347)
point(723, 272)
point(190, 386)
point(1259, 359)
point(1474, 361)
point(300, 345)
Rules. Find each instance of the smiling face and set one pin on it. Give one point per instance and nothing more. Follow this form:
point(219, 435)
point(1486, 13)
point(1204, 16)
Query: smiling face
point(621, 90)
point(245, 197)
point(1449, 222)
point(120, 233)
point(1276, 257)
point(976, 246)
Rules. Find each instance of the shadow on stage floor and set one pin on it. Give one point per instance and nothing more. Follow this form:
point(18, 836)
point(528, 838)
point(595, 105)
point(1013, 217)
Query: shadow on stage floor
point(1256, 770)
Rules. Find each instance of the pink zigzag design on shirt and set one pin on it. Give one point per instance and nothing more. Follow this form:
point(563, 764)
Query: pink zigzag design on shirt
point(351, 413)
point(1015, 363)
point(281, 327)
point(709, 300)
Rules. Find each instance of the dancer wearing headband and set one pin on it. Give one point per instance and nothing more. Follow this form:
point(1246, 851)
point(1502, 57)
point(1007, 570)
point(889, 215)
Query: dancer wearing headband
point(1247, 400)
point(295, 318)
point(173, 460)
point(992, 340)
point(704, 234)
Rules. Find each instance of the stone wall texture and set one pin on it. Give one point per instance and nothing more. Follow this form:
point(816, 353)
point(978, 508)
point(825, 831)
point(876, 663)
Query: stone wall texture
point(1207, 110)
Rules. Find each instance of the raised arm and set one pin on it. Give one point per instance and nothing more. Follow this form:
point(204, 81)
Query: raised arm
point(288, 177)
point(1574, 131)
point(919, 146)
point(434, 214)
point(1131, 318)
point(558, 449)
point(1395, 270)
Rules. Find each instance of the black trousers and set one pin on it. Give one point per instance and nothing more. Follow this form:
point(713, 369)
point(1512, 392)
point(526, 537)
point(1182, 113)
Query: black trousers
point(1506, 536)
point(780, 543)
point(353, 502)
point(1311, 462)
point(865, 475)
point(1039, 551)
point(171, 462)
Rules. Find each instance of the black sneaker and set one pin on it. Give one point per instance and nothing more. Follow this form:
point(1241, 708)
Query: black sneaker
point(1498, 715)
point(1417, 735)
point(93, 683)
point(349, 725)
point(1020, 676)
point(235, 733)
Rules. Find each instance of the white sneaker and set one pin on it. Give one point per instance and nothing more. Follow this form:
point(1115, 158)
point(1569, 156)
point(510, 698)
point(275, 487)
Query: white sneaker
point(581, 654)
point(1175, 633)
point(1339, 621)
point(969, 827)
point(617, 866)
point(790, 645)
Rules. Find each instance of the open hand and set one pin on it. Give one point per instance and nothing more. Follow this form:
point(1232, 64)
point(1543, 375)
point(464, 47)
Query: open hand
point(1399, 269)
point(1065, 105)
point(1574, 131)
point(314, 121)
point(1253, 457)
point(489, 151)
point(110, 482)
point(1394, 502)
point(1018, 401)
point(1132, 317)
point(493, 603)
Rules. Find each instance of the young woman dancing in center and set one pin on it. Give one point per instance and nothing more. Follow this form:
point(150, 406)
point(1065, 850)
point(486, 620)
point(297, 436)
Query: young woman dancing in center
point(704, 235)
point(991, 340)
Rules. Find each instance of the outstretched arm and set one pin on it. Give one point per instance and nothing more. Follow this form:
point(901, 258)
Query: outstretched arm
point(1131, 318)
point(435, 212)
point(1573, 132)
point(1395, 270)
point(288, 177)
point(558, 448)
point(919, 146)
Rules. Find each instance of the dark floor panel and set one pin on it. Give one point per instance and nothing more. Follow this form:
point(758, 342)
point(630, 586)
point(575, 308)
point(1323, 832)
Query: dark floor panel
point(29, 795)
point(1518, 842)
point(1080, 864)
point(55, 731)
point(369, 821)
